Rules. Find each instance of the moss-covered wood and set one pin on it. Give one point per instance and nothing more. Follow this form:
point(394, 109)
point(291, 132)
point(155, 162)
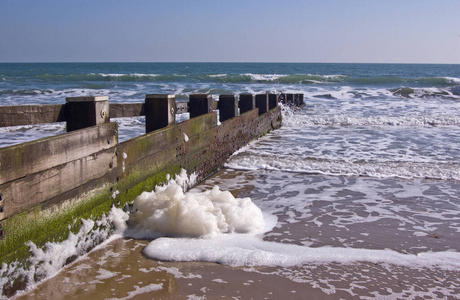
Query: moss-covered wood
point(196, 145)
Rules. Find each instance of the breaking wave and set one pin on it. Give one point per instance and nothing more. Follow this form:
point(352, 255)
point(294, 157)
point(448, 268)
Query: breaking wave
point(345, 120)
point(254, 77)
point(314, 165)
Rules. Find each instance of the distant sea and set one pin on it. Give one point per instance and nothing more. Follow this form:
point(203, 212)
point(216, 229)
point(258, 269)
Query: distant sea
point(404, 118)
point(43, 83)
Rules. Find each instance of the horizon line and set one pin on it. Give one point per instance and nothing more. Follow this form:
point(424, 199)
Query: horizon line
point(221, 62)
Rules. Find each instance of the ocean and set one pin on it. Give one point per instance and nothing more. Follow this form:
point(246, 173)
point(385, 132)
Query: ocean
point(358, 191)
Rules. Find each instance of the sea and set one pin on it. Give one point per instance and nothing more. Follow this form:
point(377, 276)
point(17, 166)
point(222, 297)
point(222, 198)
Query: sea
point(356, 196)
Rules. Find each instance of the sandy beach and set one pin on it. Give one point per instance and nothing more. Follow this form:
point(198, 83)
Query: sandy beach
point(119, 270)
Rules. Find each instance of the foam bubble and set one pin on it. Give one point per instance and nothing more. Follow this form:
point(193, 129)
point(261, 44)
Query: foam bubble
point(168, 211)
point(248, 250)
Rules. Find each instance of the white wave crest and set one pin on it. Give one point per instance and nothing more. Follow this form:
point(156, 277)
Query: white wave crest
point(122, 75)
point(264, 77)
point(400, 169)
point(291, 119)
point(453, 80)
point(217, 75)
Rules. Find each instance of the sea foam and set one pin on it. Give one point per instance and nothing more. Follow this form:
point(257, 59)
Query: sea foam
point(248, 250)
point(214, 226)
point(169, 211)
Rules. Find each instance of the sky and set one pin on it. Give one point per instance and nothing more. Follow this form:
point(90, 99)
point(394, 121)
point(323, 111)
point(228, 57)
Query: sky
point(354, 31)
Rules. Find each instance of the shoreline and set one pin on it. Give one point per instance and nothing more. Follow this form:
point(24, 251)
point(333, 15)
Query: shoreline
point(119, 269)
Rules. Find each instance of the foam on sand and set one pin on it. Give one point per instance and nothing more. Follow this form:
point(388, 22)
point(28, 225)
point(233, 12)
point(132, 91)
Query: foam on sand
point(168, 211)
point(214, 226)
point(248, 250)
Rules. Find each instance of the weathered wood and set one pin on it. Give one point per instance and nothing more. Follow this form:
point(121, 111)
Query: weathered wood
point(207, 152)
point(31, 114)
point(146, 155)
point(269, 121)
point(228, 107)
point(262, 103)
point(282, 98)
point(199, 104)
point(124, 110)
point(247, 102)
point(272, 101)
point(40, 114)
point(203, 152)
point(82, 112)
point(215, 105)
point(149, 144)
point(160, 111)
point(84, 185)
point(298, 100)
point(235, 133)
point(33, 189)
point(46, 185)
point(20, 160)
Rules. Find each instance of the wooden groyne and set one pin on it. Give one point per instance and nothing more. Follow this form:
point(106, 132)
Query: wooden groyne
point(48, 184)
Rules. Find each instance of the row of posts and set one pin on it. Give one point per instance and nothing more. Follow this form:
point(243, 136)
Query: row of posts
point(160, 109)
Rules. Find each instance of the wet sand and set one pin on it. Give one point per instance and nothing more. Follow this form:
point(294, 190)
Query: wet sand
point(312, 210)
point(119, 270)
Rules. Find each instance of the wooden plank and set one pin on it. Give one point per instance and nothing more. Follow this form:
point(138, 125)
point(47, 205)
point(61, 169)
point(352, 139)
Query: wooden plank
point(204, 152)
point(133, 172)
point(39, 114)
point(269, 121)
point(122, 110)
point(33, 189)
point(155, 141)
point(146, 155)
point(20, 160)
point(31, 114)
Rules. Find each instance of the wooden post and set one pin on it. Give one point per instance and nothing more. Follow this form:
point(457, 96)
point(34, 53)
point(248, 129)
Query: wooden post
point(272, 101)
point(298, 100)
point(160, 111)
point(247, 103)
point(82, 112)
point(289, 99)
point(199, 104)
point(282, 98)
point(262, 103)
point(228, 107)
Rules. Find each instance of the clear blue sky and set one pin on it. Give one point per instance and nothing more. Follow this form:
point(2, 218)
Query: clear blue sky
point(393, 31)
